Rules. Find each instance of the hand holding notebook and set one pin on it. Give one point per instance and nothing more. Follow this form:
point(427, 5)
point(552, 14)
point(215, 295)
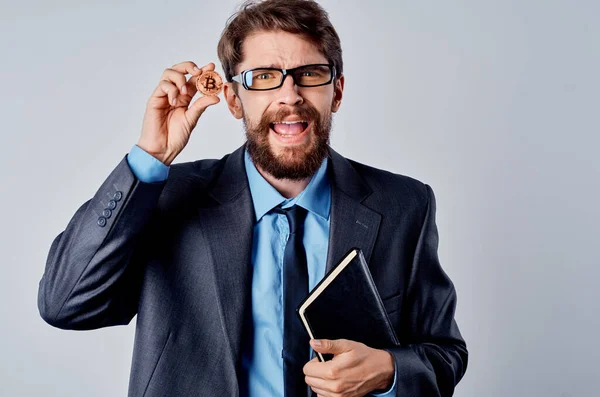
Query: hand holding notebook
point(346, 305)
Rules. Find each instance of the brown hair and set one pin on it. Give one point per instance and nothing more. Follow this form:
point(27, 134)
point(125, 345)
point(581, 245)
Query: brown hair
point(303, 17)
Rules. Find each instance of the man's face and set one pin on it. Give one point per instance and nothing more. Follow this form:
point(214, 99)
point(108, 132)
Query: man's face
point(291, 151)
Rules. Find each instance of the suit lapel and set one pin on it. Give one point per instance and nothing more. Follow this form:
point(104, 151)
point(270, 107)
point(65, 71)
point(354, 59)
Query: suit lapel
point(228, 229)
point(352, 223)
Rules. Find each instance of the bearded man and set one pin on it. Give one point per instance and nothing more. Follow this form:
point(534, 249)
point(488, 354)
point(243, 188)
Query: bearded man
point(202, 251)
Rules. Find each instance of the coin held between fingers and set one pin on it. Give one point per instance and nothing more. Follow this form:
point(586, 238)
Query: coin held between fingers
point(209, 83)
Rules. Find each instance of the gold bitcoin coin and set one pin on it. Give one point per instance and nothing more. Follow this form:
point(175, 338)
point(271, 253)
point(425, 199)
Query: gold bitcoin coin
point(209, 83)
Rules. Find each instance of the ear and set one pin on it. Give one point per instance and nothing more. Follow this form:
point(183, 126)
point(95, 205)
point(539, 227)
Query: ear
point(338, 89)
point(233, 100)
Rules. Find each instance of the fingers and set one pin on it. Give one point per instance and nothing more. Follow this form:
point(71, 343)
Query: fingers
point(317, 369)
point(320, 392)
point(176, 78)
point(168, 89)
point(191, 86)
point(190, 67)
point(198, 107)
point(337, 346)
point(319, 386)
point(173, 81)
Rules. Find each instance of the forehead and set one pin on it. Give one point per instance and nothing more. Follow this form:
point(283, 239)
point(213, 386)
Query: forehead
point(278, 49)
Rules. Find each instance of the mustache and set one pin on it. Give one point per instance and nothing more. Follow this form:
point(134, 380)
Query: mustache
point(305, 112)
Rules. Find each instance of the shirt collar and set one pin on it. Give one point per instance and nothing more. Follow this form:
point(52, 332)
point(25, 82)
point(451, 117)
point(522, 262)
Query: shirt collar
point(316, 196)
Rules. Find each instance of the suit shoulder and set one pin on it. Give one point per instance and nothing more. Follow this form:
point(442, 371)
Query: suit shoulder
point(189, 182)
point(203, 170)
point(389, 188)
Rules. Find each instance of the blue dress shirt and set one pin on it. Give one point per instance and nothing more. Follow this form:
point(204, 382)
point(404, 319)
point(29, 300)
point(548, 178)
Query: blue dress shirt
point(262, 364)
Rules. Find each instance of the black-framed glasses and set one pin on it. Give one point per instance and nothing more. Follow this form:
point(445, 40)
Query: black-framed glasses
point(262, 79)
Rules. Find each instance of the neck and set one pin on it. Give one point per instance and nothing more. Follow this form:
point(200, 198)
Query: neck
point(286, 187)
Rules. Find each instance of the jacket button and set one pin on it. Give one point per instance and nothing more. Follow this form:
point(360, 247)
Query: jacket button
point(106, 213)
point(102, 221)
point(112, 204)
point(117, 196)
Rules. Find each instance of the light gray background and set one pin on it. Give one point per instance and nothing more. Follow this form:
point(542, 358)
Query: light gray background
point(493, 103)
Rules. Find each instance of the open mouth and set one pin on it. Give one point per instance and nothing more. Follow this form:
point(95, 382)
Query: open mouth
point(289, 128)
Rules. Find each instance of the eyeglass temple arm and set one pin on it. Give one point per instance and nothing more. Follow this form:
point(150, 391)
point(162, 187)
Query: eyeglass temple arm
point(240, 79)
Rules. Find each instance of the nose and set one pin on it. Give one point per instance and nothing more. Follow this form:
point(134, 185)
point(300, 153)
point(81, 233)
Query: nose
point(288, 92)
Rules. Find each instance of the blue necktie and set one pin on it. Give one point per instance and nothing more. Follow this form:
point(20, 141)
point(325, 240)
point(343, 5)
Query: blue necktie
point(296, 347)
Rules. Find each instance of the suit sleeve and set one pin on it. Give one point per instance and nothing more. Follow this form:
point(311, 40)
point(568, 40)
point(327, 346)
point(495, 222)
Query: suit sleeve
point(92, 276)
point(435, 358)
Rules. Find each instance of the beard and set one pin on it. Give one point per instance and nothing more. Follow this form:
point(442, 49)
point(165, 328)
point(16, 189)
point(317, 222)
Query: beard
point(293, 163)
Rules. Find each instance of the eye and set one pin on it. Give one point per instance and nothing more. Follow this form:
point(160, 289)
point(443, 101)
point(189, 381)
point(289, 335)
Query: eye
point(264, 76)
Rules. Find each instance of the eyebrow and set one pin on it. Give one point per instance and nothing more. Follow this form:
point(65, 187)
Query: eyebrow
point(268, 66)
point(279, 67)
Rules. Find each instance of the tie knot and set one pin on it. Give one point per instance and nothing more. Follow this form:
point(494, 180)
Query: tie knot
point(295, 216)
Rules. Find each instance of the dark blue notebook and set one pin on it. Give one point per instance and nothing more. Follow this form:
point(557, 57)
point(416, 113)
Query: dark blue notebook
point(346, 305)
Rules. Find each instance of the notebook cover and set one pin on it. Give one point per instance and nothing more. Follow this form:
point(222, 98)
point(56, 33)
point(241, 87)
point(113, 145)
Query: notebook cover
point(346, 305)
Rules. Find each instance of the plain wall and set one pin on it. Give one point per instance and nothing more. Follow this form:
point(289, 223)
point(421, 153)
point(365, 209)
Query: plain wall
point(495, 104)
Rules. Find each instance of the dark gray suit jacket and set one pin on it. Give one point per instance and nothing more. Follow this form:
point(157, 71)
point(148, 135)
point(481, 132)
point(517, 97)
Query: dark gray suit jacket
point(177, 254)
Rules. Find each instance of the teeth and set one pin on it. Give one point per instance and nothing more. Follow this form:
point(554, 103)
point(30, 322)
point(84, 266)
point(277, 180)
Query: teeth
point(289, 122)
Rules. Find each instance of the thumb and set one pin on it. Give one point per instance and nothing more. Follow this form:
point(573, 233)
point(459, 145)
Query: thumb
point(336, 346)
point(199, 106)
